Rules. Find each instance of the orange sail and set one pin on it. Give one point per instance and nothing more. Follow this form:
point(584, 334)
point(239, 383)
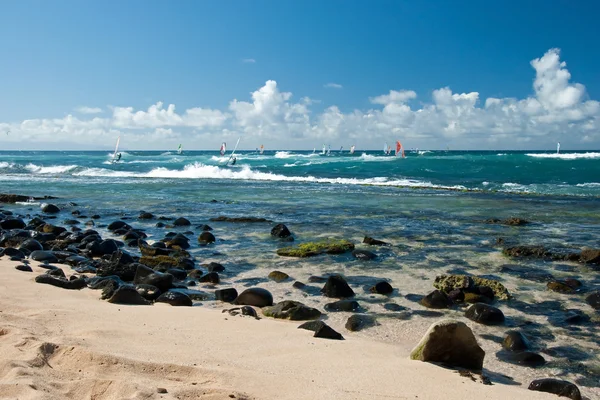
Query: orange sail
point(399, 148)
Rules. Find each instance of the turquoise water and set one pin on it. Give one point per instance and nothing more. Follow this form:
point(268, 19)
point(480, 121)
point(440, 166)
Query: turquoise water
point(430, 206)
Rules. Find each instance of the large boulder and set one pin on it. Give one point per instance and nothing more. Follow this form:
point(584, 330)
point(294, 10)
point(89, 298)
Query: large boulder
point(257, 297)
point(227, 295)
point(50, 208)
point(12, 223)
point(127, 294)
point(278, 276)
point(43, 256)
point(556, 386)
point(358, 322)
point(515, 341)
point(175, 299)
point(382, 288)
point(436, 299)
point(336, 286)
point(206, 238)
point(310, 249)
point(292, 310)
point(280, 231)
point(116, 225)
point(452, 343)
point(594, 300)
point(447, 283)
point(182, 222)
point(590, 256)
point(485, 314)
point(145, 275)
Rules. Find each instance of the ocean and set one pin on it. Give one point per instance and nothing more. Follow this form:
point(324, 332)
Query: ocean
point(431, 206)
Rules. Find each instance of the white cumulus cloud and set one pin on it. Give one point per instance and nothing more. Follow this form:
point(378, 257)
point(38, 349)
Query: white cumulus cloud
point(88, 110)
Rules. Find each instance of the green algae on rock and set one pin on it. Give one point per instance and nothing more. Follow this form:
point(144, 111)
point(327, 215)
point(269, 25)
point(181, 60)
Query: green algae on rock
point(328, 246)
point(447, 283)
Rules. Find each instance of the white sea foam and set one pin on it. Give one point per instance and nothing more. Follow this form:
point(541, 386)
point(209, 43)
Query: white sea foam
point(422, 152)
point(588, 184)
point(283, 154)
point(564, 156)
point(369, 157)
point(54, 169)
point(4, 165)
point(501, 154)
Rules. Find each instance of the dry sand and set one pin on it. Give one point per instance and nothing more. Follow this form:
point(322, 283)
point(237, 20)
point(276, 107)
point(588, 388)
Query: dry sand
point(60, 344)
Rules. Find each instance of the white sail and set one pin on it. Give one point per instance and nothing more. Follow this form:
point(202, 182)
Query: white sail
point(234, 149)
point(223, 148)
point(385, 148)
point(262, 149)
point(180, 149)
point(324, 149)
point(557, 147)
point(329, 150)
point(314, 150)
point(114, 157)
point(352, 149)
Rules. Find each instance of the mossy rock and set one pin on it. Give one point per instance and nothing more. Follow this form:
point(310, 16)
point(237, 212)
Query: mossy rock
point(329, 246)
point(158, 260)
point(447, 283)
point(278, 276)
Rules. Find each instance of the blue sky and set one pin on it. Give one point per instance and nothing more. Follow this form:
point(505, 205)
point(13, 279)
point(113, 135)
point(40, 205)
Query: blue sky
point(60, 56)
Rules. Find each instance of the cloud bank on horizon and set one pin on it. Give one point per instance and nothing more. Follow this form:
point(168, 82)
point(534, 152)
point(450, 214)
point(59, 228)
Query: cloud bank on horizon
point(557, 110)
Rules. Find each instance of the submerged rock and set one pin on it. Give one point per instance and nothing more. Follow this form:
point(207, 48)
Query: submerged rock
point(560, 287)
point(239, 219)
point(311, 249)
point(281, 231)
point(594, 300)
point(527, 251)
point(257, 297)
point(336, 286)
point(447, 283)
point(50, 208)
point(374, 242)
point(363, 255)
point(485, 314)
point(206, 238)
point(452, 343)
point(557, 387)
point(292, 310)
point(524, 358)
point(590, 256)
point(182, 222)
point(278, 276)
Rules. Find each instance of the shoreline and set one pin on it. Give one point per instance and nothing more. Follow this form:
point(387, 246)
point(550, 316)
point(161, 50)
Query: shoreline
point(115, 351)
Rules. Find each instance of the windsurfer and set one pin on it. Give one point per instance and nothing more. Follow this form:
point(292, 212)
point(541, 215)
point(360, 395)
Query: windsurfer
point(233, 161)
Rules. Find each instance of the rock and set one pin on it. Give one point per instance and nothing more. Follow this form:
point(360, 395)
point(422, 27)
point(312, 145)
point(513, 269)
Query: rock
point(127, 294)
point(317, 279)
point(342, 305)
point(61, 283)
point(456, 296)
point(145, 275)
point(525, 358)
point(206, 238)
point(31, 245)
point(24, 268)
point(292, 310)
point(105, 247)
point(157, 249)
point(43, 256)
point(257, 297)
point(473, 298)
point(298, 285)
point(50, 208)
point(124, 272)
point(204, 228)
point(594, 300)
point(590, 256)
point(113, 226)
point(573, 283)
point(155, 261)
point(182, 222)
point(227, 295)
point(336, 286)
point(178, 240)
point(148, 292)
point(239, 219)
point(514, 221)
point(146, 215)
point(278, 276)
point(394, 307)
point(452, 343)
point(161, 390)
point(322, 330)
point(13, 253)
point(447, 283)
point(12, 223)
point(485, 314)
point(560, 287)
point(436, 299)
point(280, 231)
point(358, 322)
point(177, 273)
point(215, 267)
point(374, 242)
point(527, 251)
point(310, 249)
point(175, 299)
point(557, 387)
point(211, 277)
point(515, 341)
point(382, 288)
point(363, 255)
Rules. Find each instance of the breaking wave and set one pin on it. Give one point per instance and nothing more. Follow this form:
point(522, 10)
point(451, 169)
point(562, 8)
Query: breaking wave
point(564, 156)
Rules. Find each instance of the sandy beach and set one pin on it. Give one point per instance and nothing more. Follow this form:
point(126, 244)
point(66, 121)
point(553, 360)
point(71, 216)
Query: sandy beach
point(60, 344)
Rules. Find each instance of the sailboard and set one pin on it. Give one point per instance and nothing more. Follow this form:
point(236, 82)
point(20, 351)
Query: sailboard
point(231, 157)
point(223, 148)
point(399, 149)
point(114, 157)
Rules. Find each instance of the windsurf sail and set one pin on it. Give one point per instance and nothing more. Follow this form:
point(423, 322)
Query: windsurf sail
point(262, 149)
point(352, 149)
point(180, 149)
point(231, 157)
point(385, 148)
point(399, 149)
point(223, 148)
point(314, 150)
point(329, 150)
point(324, 150)
point(341, 148)
point(114, 157)
point(558, 148)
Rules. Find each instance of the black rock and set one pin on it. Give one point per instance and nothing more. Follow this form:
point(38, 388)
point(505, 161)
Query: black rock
point(312, 325)
point(257, 297)
point(50, 209)
point(382, 288)
point(206, 237)
point(105, 247)
point(317, 279)
point(557, 387)
point(227, 295)
point(175, 299)
point(336, 286)
point(515, 341)
point(363, 255)
point(298, 285)
point(280, 231)
point(326, 332)
point(343, 305)
point(148, 292)
point(359, 322)
point(205, 228)
point(594, 300)
point(146, 215)
point(120, 257)
point(124, 272)
point(12, 223)
point(31, 245)
point(61, 283)
point(278, 276)
point(436, 299)
point(394, 307)
point(127, 294)
point(43, 256)
point(456, 296)
point(113, 226)
point(177, 273)
point(182, 222)
point(148, 276)
point(57, 273)
point(13, 253)
point(25, 268)
point(292, 310)
point(525, 358)
point(374, 242)
point(215, 267)
point(211, 277)
point(485, 314)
